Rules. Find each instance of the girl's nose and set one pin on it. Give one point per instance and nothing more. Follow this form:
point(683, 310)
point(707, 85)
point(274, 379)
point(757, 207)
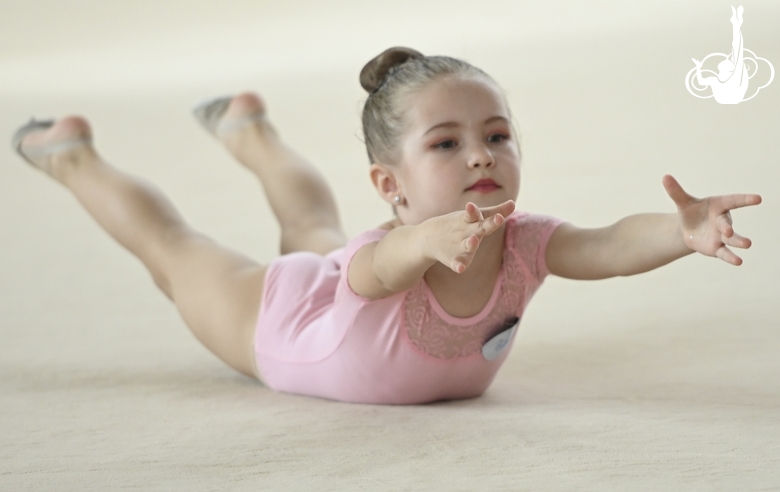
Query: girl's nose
point(481, 157)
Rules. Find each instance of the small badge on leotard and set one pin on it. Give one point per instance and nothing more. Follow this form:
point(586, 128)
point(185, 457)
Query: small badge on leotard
point(494, 347)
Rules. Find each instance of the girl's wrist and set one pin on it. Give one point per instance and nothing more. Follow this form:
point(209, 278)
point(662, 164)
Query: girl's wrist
point(422, 241)
point(683, 238)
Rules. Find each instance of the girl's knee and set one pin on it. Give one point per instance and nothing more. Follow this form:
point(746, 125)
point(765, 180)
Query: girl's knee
point(163, 257)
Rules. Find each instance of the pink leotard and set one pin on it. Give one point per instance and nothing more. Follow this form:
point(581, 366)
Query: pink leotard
point(315, 336)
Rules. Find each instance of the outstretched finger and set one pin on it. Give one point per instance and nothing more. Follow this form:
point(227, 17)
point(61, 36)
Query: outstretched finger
point(471, 243)
point(730, 202)
point(504, 209)
point(458, 267)
point(473, 214)
point(737, 241)
point(489, 225)
point(728, 256)
point(724, 224)
point(676, 192)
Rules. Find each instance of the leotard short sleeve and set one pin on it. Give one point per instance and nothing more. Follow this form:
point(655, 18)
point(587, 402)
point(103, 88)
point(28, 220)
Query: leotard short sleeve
point(350, 249)
point(528, 241)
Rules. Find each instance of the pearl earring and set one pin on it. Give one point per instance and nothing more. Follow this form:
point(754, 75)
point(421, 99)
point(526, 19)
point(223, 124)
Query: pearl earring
point(397, 199)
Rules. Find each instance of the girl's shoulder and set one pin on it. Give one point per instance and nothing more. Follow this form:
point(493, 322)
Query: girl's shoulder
point(527, 237)
point(522, 221)
point(390, 225)
point(369, 236)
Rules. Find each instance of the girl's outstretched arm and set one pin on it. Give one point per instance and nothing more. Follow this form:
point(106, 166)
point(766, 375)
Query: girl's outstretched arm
point(643, 242)
point(400, 259)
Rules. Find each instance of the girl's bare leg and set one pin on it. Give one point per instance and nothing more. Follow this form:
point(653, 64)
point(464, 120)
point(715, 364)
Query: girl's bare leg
point(299, 196)
point(217, 291)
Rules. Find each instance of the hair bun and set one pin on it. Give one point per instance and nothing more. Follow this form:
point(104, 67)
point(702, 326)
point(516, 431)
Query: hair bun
point(375, 71)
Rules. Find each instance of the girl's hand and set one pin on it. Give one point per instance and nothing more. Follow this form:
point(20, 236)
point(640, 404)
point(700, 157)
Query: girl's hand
point(697, 62)
point(454, 238)
point(706, 222)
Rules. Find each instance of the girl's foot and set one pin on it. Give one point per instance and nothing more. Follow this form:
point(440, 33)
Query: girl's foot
point(239, 122)
point(224, 116)
point(52, 146)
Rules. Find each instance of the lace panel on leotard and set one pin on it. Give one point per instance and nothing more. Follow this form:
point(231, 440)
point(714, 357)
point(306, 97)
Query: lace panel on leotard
point(443, 340)
point(523, 269)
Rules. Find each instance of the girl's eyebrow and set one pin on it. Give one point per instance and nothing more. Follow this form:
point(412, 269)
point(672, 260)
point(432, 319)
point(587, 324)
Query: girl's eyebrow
point(496, 118)
point(448, 124)
point(453, 124)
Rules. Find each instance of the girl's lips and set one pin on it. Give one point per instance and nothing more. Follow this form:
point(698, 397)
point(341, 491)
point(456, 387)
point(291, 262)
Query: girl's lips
point(484, 186)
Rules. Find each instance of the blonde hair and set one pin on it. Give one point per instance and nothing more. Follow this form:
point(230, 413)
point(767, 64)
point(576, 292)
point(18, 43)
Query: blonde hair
point(388, 77)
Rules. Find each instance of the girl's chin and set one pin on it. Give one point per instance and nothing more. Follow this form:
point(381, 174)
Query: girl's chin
point(485, 200)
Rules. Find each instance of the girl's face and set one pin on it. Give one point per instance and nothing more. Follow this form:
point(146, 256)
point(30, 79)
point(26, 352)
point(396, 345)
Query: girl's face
point(457, 133)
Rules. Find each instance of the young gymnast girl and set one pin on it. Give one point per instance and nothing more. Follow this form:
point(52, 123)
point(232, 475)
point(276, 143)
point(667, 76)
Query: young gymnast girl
point(422, 308)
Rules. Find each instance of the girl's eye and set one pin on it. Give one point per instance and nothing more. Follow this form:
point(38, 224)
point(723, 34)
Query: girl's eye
point(445, 145)
point(498, 137)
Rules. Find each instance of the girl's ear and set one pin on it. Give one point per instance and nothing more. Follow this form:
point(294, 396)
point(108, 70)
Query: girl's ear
point(384, 181)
